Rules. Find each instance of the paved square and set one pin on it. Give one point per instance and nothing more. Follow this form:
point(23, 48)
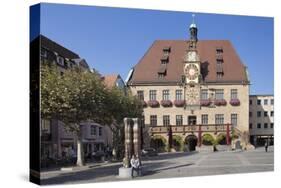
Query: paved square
point(173, 165)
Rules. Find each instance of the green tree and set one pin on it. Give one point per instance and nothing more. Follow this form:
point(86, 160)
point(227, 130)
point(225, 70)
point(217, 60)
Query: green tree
point(75, 97)
point(120, 105)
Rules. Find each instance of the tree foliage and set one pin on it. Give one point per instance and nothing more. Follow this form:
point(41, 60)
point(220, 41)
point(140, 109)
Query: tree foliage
point(79, 96)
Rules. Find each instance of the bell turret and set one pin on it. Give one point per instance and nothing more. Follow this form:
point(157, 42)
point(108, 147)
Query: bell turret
point(193, 34)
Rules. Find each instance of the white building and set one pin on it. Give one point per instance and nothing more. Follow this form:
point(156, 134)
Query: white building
point(261, 119)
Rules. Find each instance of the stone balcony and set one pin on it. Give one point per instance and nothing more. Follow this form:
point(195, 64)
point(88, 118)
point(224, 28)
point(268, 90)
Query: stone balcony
point(189, 128)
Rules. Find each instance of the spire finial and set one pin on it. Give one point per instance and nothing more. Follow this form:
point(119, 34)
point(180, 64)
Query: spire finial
point(193, 25)
point(193, 18)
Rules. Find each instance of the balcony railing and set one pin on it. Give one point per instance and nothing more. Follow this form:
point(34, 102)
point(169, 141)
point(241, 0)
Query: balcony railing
point(189, 128)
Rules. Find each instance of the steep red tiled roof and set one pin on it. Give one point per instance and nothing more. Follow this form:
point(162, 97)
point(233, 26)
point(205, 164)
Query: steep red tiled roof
point(146, 71)
point(110, 80)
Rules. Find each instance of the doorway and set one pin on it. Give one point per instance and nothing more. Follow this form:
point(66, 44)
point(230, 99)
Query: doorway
point(191, 142)
point(192, 120)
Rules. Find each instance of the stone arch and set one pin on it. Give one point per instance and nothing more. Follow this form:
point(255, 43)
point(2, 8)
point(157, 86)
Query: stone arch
point(158, 142)
point(208, 139)
point(177, 142)
point(221, 139)
point(191, 142)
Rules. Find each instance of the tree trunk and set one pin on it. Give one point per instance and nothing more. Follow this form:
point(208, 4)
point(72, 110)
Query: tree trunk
point(80, 151)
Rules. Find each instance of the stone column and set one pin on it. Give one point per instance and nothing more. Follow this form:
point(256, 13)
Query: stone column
point(136, 137)
point(199, 136)
point(227, 135)
point(128, 141)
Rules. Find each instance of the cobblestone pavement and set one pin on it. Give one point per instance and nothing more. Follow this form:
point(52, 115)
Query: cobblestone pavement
point(172, 165)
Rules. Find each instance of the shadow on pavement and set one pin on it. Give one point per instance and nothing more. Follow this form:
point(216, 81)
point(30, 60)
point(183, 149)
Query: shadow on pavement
point(111, 171)
point(169, 156)
point(151, 172)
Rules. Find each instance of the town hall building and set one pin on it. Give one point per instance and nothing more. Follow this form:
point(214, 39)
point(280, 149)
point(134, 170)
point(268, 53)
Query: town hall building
point(192, 89)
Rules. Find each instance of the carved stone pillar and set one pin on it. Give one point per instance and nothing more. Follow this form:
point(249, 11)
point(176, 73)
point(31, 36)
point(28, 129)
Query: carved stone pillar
point(136, 137)
point(227, 135)
point(128, 141)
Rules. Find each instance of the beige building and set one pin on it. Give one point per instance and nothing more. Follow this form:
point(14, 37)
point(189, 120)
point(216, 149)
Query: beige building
point(191, 90)
point(261, 117)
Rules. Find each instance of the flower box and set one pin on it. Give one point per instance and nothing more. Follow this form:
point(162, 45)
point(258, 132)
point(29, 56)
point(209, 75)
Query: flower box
point(144, 104)
point(205, 102)
point(235, 102)
point(166, 103)
point(220, 102)
point(179, 103)
point(153, 103)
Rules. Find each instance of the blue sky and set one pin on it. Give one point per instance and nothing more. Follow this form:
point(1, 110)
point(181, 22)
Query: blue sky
point(113, 40)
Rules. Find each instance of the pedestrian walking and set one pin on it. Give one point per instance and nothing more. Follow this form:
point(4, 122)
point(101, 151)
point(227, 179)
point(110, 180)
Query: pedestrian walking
point(266, 146)
point(135, 163)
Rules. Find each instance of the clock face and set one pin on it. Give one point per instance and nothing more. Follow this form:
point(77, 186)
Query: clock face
point(191, 71)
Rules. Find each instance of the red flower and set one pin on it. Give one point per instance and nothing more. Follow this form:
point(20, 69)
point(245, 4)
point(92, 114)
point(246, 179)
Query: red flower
point(235, 102)
point(166, 103)
point(153, 103)
point(220, 102)
point(205, 102)
point(179, 103)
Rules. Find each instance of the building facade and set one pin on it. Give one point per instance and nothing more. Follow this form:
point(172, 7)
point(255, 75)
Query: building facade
point(56, 140)
point(191, 89)
point(261, 115)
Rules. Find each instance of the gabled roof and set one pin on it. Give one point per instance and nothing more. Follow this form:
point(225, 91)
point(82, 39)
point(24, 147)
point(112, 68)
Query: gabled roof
point(55, 47)
point(110, 80)
point(146, 71)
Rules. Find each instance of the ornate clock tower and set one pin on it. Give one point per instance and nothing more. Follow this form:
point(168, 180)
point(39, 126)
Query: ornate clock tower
point(192, 72)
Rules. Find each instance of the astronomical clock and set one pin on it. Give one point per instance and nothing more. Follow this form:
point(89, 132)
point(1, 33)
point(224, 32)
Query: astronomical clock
point(192, 79)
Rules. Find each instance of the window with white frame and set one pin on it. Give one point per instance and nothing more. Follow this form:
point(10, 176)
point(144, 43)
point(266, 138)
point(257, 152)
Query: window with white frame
point(140, 95)
point(179, 120)
point(233, 94)
point(166, 120)
point(178, 94)
point(204, 94)
point(219, 119)
point(152, 95)
point(219, 94)
point(153, 120)
point(165, 94)
point(234, 120)
point(204, 119)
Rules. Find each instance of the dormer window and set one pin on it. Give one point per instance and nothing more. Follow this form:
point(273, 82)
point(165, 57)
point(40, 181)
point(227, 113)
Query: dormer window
point(44, 53)
point(219, 50)
point(166, 50)
point(219, 75)
point(165, 59)
point(162, 71)
point(161, 75)
point(60, 60)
